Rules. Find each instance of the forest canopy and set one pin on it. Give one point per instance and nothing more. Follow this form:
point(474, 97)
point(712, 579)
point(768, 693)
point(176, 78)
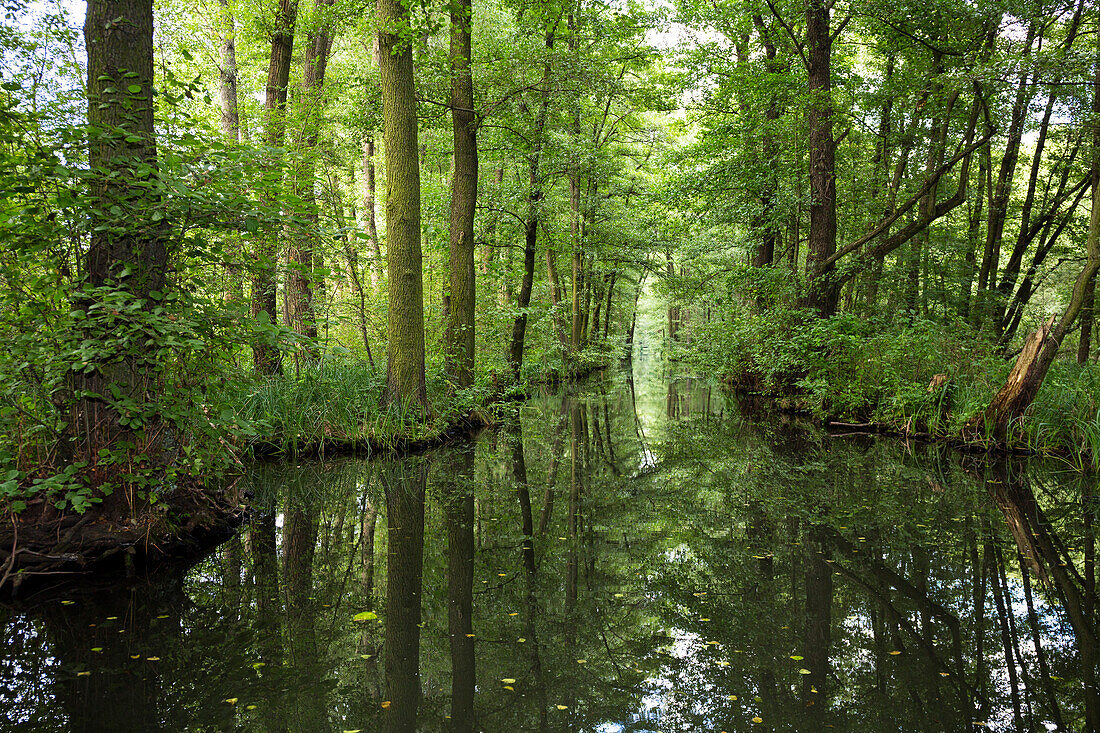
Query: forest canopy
point(231, 225)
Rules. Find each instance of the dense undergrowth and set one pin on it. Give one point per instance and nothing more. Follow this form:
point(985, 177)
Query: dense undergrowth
point(917, 377)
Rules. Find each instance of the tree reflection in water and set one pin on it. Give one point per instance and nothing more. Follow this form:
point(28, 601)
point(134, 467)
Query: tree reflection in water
point(649, 557)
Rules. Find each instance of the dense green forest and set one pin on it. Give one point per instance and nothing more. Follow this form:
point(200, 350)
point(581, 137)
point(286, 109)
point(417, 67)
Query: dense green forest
point(229, 227)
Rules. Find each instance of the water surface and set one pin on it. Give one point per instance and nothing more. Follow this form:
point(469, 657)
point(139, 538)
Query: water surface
point(649, 557)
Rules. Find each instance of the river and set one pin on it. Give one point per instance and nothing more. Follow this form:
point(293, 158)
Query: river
point(643, 554)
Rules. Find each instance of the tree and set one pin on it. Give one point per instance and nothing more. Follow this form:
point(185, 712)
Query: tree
point(460, 324)
point(126, 262)
point(405, 381)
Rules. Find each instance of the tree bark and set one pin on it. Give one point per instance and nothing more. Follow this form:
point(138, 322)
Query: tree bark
point(128, 255)
point(265, 355)
point(301, 308)
point(370, 218)
point(405, 380)
point(459, 338)
point(821, 293)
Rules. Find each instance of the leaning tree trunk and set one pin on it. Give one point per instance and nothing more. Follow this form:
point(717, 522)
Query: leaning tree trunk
point(1010, 403)
point(405, 325)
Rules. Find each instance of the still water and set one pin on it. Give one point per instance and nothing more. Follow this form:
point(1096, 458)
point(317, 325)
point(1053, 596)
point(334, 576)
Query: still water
point(649, 556)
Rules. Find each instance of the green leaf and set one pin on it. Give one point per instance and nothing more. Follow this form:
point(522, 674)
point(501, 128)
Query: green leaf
point(364, 616)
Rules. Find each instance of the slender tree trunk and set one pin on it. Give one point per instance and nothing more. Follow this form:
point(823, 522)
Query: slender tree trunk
point(534, 201)
point(231, 130)
point(1000, 194)
point(1031, 367)
point(1084, 343)
point(265, 355)
point(405, 380)
point(301, 308)
point(459, 339)
point(370, 219)
point(822, 293)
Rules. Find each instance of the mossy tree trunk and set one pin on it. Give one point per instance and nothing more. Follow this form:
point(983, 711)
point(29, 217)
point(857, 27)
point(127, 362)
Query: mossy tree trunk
point(459, 339)
point(405, 326)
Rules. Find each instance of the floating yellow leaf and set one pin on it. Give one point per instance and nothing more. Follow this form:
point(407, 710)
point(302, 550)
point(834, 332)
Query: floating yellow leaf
point(508, 681)
point(582, 661)
point(257, 665)
point(514, 613)
point(945, 674)
point(563, 538)
point(67, 603)
point(521, 640)
point(895, 653)
point(797, 657)
point(385, 703)
point(152, 659)
point(562, 707)
point(804, 671)
point(364, 616)
point(163, 615)
point(82, 674)
point(470, 636)
point(813, 689)
point(757, 719)
point(733, 697)
point(250, 707)
point(723, 663)
point(700, 593)
point(97, 648)
point(112, 618)
point(704, 619)
point(364, 656)
point(509, 687)
point(618, 595)
point(231, 700)
point(502, 575)
point(135, 656)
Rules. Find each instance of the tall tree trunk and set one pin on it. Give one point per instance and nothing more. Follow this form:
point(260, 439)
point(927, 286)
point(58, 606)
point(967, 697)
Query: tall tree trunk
point(1000, 194)
point(1084, 343)
point(405, 326)
point(459, 339)
point(265, 355)
point(301, 308)
point(131, 256)
point(370, 219)
point(822, 293)
point(534, 201)
point(231, 130)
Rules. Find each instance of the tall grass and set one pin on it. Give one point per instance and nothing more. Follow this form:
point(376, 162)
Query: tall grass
point(338, 402)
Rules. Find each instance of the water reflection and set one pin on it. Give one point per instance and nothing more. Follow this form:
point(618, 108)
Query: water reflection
point(644, 557)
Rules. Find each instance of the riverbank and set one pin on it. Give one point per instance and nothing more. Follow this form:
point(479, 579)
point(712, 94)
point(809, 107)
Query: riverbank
point(920, 381)
point(329, 409)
